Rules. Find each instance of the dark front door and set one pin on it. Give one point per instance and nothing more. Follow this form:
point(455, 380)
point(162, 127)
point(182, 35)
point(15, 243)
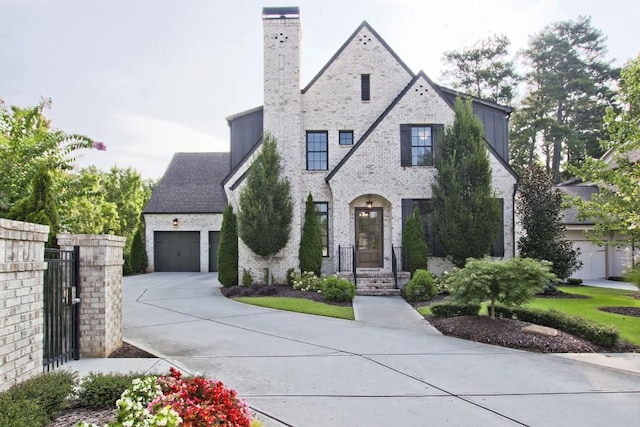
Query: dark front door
point(369, 238)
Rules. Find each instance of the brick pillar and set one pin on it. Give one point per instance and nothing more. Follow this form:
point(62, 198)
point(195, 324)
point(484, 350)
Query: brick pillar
point(101, 261)
point(21, 287)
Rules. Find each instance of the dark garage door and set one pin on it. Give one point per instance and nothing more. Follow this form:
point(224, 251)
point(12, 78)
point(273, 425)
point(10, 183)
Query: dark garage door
point(176, 250)
point(214, 241)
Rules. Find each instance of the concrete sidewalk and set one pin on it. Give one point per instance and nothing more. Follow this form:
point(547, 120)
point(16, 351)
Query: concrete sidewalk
point(611, 284)
point(301, 370)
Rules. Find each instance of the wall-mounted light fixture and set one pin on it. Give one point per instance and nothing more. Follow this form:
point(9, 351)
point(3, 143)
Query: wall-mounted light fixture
point(369, 202)
point(175, 222)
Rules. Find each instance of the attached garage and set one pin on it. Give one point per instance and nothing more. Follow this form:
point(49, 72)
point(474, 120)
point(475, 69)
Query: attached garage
point(593, 261)
point(177, 250)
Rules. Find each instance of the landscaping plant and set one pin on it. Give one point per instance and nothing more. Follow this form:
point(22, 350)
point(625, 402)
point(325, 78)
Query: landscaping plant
point(512, 282)
point(307, 281)
point(414, 243)
point(421, 287)
point(228, 249)
point(338, 290)
point(310, 251)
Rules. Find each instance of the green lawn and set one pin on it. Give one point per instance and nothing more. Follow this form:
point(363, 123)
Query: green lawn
point(300, 305)
point(628, 326)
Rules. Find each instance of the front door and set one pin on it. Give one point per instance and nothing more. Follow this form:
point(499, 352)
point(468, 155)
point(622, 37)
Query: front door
point(369, 238)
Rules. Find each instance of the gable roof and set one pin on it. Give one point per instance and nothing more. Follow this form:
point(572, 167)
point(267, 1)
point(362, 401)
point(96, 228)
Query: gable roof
point(192, 183)
point(575, 187)
point(439, 91)
point(366, 25)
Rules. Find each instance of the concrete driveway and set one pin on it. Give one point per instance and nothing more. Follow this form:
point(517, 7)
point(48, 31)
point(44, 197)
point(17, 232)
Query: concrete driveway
point(304, 371)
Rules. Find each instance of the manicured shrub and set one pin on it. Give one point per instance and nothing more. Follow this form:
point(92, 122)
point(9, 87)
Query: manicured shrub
point(21, 412)
point(138, 256)
point(633, 275)
point(450, 309)
point(605, 336)
point(574, 281)
point(310, 250)
point(307, 281)
point(291, 275)
point(247, 278)
point(338, 290)
point(51, 391)
point(228, 249)
point(414, 243)
point(421, 287)
point(100, 390)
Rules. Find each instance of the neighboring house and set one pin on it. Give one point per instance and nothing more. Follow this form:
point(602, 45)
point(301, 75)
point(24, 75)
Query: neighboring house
point(614, 256)
point(361, 137)
point(184, 215)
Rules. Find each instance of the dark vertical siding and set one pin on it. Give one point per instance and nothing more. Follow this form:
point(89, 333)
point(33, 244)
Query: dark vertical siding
point(245, 131)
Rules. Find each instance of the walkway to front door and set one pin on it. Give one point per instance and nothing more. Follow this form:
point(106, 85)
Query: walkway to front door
point(369, 238)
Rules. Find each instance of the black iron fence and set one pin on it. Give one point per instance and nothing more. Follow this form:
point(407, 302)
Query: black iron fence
point(61, 307)
point(347, 260)
point(398, 261)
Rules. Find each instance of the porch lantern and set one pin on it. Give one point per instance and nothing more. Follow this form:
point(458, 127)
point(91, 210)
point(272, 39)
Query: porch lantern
point(369, 202)
point(175, 222)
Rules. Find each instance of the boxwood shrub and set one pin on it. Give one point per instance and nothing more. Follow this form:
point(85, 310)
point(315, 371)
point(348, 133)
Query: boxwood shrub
point(421, 287)
point(100, 390)
point(606, 336)
point(338, 290)
point(449, 309)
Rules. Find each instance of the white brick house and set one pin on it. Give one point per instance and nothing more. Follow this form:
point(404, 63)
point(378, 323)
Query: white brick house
point(360, 138)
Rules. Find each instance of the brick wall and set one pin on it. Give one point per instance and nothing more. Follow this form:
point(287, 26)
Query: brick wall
point(101, 263)
point(21, 287)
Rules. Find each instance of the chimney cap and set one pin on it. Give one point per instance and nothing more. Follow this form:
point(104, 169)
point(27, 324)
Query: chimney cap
point(280, 12)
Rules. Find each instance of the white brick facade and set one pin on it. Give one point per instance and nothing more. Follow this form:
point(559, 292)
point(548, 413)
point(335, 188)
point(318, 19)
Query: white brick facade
point(332, 102)
point(202, 223)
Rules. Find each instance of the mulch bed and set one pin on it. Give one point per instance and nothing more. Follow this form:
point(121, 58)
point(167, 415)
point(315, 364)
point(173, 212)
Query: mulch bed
point(625, 311)
point(128, 351)
point(276, 291)
point(508, 333)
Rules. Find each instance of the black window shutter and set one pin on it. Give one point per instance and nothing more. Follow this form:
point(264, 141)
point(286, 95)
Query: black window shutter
point(405, 145)
point(437, 133)
point(365, 86)
point(497, 249)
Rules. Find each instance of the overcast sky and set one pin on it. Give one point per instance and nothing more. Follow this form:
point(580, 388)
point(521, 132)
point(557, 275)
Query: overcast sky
point(152, 77)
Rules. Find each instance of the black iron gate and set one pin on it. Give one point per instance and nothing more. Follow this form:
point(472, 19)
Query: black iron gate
point(61, 307)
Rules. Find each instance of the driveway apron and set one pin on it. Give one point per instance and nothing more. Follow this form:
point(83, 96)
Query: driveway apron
point(301, 370)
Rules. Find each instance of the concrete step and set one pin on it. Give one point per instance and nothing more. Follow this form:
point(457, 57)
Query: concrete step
point(378, 292)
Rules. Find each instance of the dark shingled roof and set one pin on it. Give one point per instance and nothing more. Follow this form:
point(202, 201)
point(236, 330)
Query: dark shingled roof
point(575, 187)
point(191, 184)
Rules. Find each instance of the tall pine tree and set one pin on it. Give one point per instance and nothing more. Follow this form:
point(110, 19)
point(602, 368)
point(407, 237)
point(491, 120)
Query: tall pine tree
point(466, 212)
point(228, 249)
point(266, 208)
point(310, 252)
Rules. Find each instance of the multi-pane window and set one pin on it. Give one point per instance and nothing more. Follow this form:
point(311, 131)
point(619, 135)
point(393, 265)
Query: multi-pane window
point(322, 211)
point(418, 143)
point(421, 146)
point(345, 137)
point(365, 87)
point(317, 151)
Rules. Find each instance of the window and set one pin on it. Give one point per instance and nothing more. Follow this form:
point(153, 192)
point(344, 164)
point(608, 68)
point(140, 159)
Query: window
point(345, 137)
point(365, 87)
point(425, 206)
point(322, 211)
point(418, 143)
point(317, 151)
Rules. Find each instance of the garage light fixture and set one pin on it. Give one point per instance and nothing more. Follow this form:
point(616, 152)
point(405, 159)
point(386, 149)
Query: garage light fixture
point(175, 222)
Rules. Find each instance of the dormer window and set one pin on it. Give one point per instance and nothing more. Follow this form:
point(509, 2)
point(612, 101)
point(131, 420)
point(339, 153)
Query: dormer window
point(365, 87)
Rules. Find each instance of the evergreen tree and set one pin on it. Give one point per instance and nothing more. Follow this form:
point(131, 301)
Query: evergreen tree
point(569, 88)
point(310, 251)
point(539, 204)
point(39, 206)
point(466, 212)
point(483, 70)
point(266, 208)
point(414, 244)
point(228, 249)
point(138, 257)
